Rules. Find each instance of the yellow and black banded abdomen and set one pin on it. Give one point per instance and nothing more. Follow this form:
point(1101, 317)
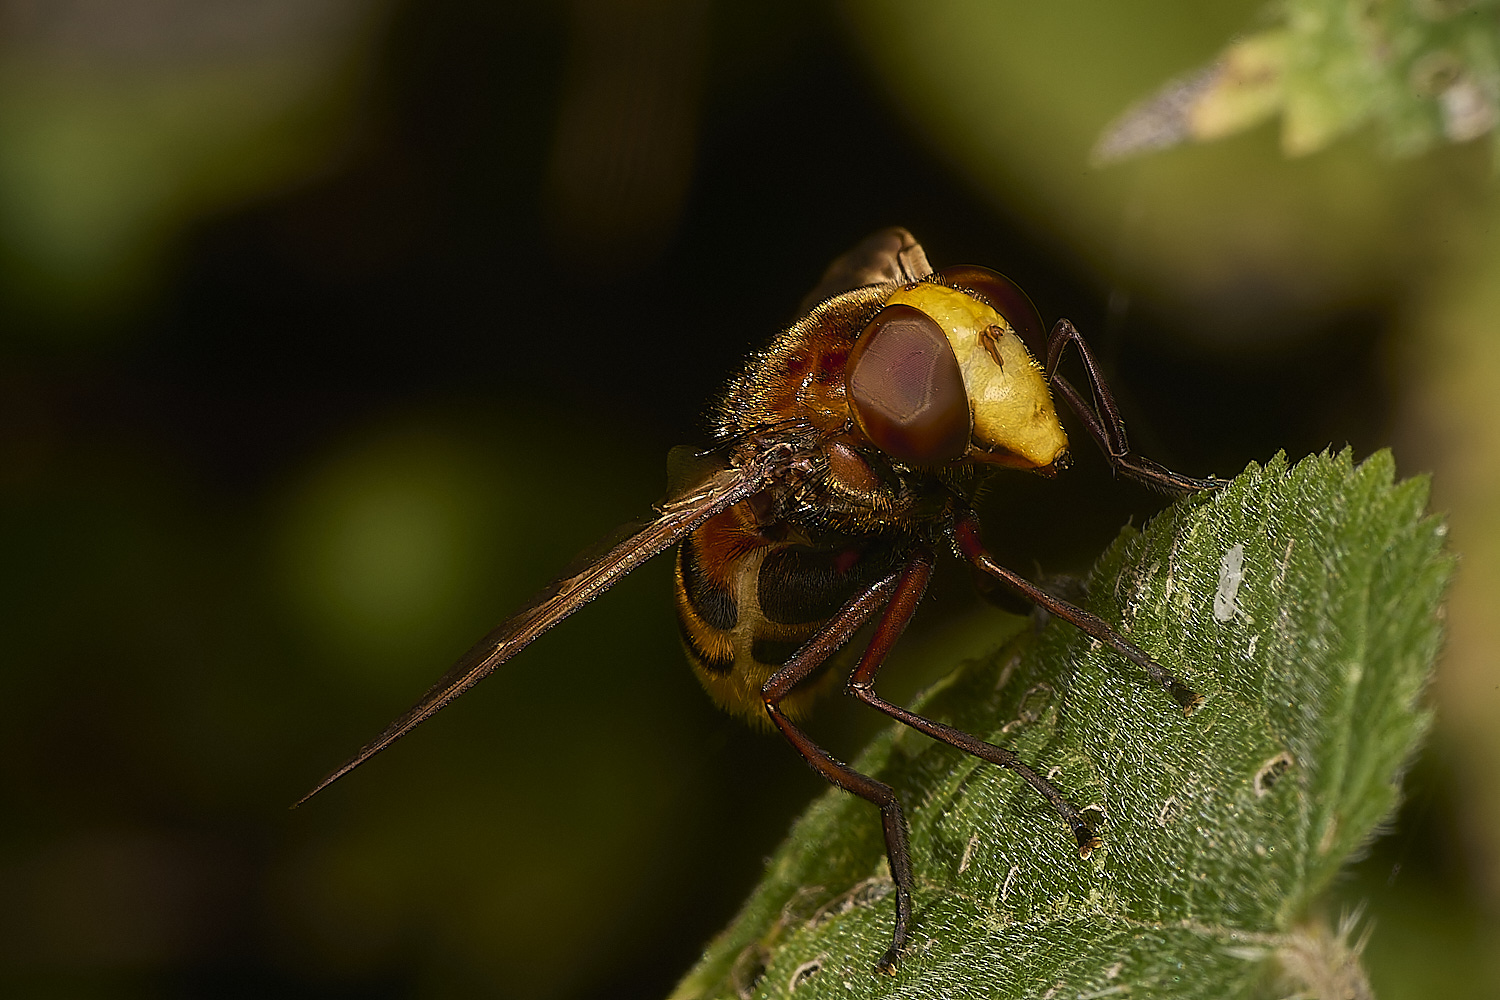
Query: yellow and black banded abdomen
point(745, 610)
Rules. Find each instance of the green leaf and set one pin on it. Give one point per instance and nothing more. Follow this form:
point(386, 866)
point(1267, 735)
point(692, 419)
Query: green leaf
point(1303, 603)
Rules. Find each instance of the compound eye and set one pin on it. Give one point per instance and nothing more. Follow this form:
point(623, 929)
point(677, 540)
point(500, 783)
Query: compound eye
point(906, 389)
point(1005, 297)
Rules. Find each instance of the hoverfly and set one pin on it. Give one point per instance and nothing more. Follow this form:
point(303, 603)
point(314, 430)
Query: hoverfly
point(845, 457)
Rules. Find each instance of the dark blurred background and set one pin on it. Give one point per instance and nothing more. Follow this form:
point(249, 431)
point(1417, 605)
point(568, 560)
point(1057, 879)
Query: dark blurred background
point(330, 329)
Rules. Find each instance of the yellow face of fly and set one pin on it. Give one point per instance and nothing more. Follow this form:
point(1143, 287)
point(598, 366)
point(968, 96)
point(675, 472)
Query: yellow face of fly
point(1014, 419)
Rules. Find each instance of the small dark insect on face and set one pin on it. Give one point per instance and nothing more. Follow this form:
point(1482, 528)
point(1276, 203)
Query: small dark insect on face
point(844, 457)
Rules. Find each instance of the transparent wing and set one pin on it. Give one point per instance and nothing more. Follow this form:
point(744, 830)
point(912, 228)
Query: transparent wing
point(721, 489)
point(888, 256)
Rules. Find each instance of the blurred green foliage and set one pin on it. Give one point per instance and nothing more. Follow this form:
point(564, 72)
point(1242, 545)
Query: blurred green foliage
point(1423, 72)
point(382, 547)
point(118, 128)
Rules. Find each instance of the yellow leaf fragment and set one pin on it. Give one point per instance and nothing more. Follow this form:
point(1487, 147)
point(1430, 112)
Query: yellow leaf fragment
point(1246, 88)
point(1242, 88)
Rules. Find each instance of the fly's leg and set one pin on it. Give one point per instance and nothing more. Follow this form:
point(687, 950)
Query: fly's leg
point(1108, 430)
point(1104, 424)
point(819, 648)
point(966, 535)
point(893, 622)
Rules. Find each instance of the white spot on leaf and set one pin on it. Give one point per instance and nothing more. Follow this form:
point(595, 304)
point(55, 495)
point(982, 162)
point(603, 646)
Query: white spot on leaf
point(968, 853)
point(803, 973)
point(1270, 772)
point(1010, 877)
point(1168, 812)
point(1231, 573)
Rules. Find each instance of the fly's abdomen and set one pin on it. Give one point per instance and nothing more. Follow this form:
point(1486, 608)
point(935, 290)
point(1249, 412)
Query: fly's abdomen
point(746, 604)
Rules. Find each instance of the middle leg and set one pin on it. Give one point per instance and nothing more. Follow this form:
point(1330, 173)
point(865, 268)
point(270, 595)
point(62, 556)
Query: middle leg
point(966, 534)
point(898, 613)
point(837, 631)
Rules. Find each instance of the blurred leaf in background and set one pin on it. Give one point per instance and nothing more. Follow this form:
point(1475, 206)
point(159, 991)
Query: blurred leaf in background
point(1422, 72)
point(384, 545)
point(122, 123)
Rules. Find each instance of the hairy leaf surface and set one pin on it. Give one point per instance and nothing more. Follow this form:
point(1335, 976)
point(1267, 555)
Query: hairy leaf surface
point(1302, 602)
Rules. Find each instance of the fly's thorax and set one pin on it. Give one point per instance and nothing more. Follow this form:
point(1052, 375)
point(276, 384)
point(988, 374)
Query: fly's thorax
point(1014, 421)
point(799, 378)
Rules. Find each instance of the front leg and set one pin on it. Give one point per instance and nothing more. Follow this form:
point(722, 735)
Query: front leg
point(966, 537)
point(1104, 424)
